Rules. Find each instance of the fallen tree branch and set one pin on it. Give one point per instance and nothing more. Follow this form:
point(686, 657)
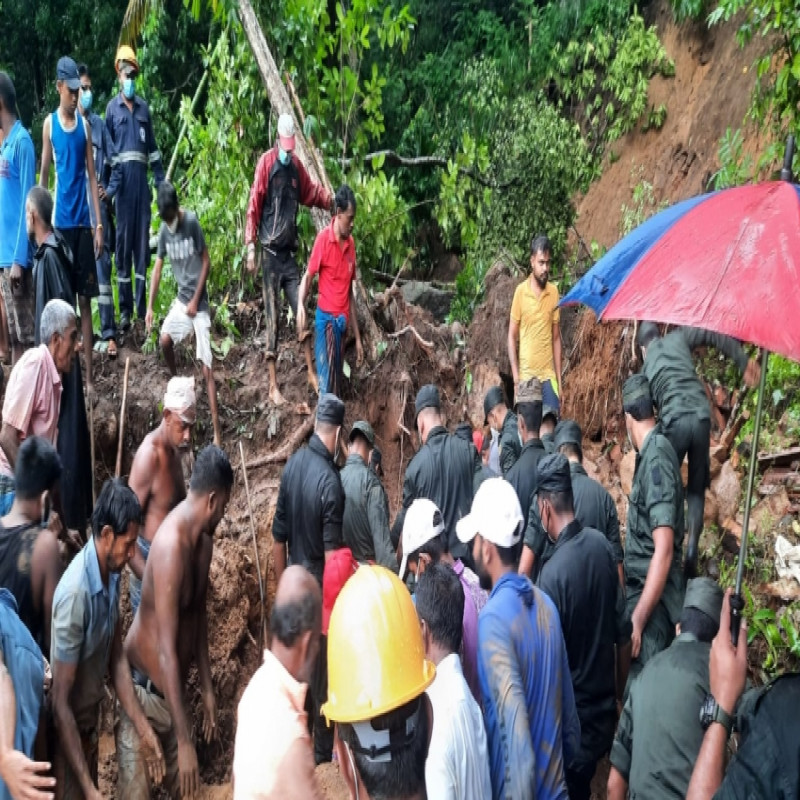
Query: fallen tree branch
point(298, 437)
point(411, 329)
point(396, 280)
point(393, 157)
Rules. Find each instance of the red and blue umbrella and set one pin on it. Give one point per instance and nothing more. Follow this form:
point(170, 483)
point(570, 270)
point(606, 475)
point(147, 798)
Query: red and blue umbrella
point(728, 261)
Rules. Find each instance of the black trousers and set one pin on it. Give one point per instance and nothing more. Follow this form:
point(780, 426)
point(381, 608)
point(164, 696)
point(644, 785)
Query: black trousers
point(579, 781)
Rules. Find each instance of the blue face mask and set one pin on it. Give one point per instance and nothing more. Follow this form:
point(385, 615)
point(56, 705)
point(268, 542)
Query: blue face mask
point(283, 156)
point(86, 100)
point(128, 88)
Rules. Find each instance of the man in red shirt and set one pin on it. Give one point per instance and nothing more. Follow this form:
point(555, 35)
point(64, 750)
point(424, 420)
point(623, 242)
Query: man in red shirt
point(281, 183)
point(334, 258)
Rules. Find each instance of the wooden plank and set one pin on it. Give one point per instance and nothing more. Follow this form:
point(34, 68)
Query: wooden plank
point(783, 458)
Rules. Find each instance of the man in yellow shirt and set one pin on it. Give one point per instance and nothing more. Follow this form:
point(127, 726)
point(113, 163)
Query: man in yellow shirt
point(533, 327)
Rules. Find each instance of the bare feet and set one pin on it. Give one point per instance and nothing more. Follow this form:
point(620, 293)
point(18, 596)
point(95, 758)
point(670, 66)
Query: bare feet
point(276, 397)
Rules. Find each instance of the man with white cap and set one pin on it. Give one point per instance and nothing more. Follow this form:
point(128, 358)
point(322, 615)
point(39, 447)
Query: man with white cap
point(529, 707)
point(424, 542)
point(280, 185)
point(157, 474)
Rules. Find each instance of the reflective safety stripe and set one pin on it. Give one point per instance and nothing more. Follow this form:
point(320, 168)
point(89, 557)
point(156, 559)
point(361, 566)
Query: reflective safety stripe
point(155, 156)
point(130, 155)
point(105, 299)
point(104, 287)
point(123, 280)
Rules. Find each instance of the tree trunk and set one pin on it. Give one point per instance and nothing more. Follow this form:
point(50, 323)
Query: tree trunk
point(281, 102)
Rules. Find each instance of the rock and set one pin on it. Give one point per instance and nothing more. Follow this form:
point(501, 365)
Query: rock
point(437, 301)
point(626, 470)
point(728, 492)
point(711, 509)
point(615, 454)
point(767, 513)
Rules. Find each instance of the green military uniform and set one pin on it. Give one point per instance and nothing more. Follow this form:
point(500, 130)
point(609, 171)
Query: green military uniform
point(595, 508)
point(548, 440)
point(656, 500)
point(659, 733)
point(683, 408)
point(510, 445)
point(365, 526)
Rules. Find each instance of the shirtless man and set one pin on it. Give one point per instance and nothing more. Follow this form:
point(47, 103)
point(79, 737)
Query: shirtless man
point(170, 630)
point(156, 474)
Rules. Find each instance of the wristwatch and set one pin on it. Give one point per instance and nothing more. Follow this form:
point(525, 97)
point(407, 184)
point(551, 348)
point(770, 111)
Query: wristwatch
point(711, 711)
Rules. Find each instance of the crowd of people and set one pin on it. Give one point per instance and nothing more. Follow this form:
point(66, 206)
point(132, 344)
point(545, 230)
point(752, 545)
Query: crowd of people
point(495, 640)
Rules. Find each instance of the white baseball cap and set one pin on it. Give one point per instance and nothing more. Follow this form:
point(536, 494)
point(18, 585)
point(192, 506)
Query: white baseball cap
point(496, 515)
point(286, 131)
point(422, 523)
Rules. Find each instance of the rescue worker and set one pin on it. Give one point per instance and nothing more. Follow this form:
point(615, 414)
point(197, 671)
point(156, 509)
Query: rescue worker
point(581, 580)
point(532, 725)
point(102, 149)
point(522, 476)
point(767, 762)
point(660, 733)
point(130, 128)
point(653, 544)
point(365, 526)
point(280, 186)
point(446, 470)
point(378, 677)
point(504, 421)
point(593, 504)
point(683, 406)
point(308, 523)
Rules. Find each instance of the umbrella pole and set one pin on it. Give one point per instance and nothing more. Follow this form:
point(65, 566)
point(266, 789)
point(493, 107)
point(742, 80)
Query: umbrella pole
point(737, 601)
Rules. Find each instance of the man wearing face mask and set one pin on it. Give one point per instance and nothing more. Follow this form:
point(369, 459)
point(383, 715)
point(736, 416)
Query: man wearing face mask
point(534, 336)
point(504, 421)
point(17, 175)
point(308, 523)
point(280, 185)
point(102, 149)
point(131, 131)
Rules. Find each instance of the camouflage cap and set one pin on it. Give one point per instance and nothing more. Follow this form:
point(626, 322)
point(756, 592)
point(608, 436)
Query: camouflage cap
point(529, 391)
point(567, 432)
point(365, 429)
point(705, 595)
point(636, 387)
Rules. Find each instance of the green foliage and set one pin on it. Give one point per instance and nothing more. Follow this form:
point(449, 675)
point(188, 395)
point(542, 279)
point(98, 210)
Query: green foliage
point(736, 167)
point(603, 80)
point(689, 9)
point(776, 96)
point(781, 400)
point(644, 204)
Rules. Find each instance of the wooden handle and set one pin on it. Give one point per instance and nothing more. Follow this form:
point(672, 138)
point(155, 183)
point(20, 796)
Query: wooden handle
point(118, 470)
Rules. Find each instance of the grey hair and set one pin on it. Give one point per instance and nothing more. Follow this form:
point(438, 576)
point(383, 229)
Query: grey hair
point(56, 316)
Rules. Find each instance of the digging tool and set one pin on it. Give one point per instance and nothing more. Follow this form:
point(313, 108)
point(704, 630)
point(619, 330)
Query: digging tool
point(262, 629)
point(121, 441)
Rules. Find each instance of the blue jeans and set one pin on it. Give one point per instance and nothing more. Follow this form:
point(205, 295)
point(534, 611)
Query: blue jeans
point(135, 584)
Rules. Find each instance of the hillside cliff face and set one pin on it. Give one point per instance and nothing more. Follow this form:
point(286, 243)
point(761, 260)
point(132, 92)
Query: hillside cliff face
point(709, 93)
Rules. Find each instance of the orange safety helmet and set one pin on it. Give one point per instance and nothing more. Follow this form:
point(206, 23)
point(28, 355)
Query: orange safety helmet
point(376, 658)
point(126, 53)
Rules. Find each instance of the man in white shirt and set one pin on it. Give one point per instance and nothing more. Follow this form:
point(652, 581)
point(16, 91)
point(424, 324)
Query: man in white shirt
point(457, 767)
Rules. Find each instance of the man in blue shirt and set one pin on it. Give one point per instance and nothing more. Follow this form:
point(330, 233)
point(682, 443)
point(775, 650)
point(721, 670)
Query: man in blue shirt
point(87, 642)
point(131, 130)
point(102, 149)
point(531, 721)
point(21, 695)
point(17, 174)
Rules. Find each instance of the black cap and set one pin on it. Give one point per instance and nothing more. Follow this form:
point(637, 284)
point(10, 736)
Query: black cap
point(553, 474)
point(464, 431)
point(549, 411)
point(67, 70)
point(567, 432)
point(427, 397)
point(493, 398)
point(636, 387)
point(365, 429)
point(330, 409)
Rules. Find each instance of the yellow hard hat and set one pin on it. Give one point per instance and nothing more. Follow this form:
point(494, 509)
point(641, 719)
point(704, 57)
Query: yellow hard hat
point(376, 659)
point(125, 53)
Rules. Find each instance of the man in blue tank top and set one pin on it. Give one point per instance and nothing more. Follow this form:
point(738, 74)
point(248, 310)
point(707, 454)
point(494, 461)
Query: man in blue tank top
point(67, 142)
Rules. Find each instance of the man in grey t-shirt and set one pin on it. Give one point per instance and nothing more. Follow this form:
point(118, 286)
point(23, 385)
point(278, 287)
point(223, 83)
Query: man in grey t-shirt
point(181, 240)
